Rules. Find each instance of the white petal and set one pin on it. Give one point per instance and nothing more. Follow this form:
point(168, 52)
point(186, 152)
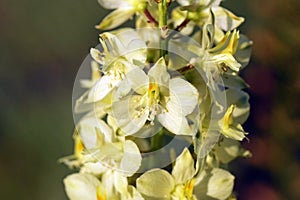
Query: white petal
point(97, 56)
point(159, 73)
point(175, 123)
point(111, 4)
point(128, 116)
point(184, 170)
point(131, 160)
point(116, 18)
point(90, 130)
point(138, 80)
point(156, 183)
point(105, 85)
point(225, 19)
point(185, 94)
point(81, 186)
point(214, 183)
point(132, 194)
point(220, 185)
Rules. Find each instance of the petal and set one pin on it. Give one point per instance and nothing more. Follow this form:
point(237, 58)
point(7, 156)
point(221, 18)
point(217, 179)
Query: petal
point(215, 183)
point(183, 170)
point(241, 100)
point(128, 115)
point(243, 51)
point(229, 149)
point(156, 183)
point(104, 86)
point(220, 185)
point(132, 194)
point(131, 160)
point(225, 19)
point(111, 4)
point(185, 93)
point(159, 73)
point(97, 56)
point(81, 186)
point(138, 80)
point(116, 18)
point(91, 130)
point(175, 122)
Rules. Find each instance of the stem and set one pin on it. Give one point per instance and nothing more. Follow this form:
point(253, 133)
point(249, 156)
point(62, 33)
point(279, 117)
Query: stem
point(185, 68)
point(179, 28)
point(157, 140)
point(182, 25)
point(162, 24)
point(150, 18)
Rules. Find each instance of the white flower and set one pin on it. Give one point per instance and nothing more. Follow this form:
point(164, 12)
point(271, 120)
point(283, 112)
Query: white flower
point(198, 11)
point(82, 186)
point(229, 127)
point(120, 51)
point(125, 9)
point(160, 184)
point(157, 95)
point(184, 183)
point(96, 142)
point(112, 186)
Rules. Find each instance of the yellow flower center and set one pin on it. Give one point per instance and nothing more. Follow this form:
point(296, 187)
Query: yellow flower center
point(100, 194)
point(188, 189)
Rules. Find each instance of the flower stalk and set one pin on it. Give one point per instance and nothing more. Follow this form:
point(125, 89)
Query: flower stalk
point(161, 116)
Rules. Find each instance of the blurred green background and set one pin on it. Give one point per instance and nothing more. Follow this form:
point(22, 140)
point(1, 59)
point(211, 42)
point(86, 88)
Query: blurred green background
point(42, 46)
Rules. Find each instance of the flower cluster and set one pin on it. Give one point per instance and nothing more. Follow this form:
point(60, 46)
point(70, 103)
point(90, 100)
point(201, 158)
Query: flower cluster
point(162, 112)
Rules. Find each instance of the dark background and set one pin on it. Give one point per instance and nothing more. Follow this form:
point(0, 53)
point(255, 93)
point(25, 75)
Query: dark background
point(42, 44)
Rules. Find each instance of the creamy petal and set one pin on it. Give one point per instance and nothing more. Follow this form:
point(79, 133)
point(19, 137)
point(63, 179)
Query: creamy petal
point(225, 19)
point(131, 160)
point(185, 93)
point(116, 18)
point(128, 115)
point(156, 183)
point(81, 186)
point(183, 169)
point(138, 80)
point(159, 73)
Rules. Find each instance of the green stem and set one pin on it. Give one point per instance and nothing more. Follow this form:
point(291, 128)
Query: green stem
point(162, 24)
point(157, 140)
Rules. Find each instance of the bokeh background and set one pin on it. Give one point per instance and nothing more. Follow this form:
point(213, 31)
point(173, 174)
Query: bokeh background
point(42, 44)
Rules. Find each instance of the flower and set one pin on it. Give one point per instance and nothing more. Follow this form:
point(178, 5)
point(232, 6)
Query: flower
point(160, 184)
point(156, 96)
point(88, 187)
point(184, 183)
point(96, 142)
point(199, 10)
point(229, 128)
point(125, 9)
point(122, 52)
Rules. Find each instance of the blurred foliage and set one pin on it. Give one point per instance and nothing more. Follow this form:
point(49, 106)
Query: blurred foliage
point(43, 44)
